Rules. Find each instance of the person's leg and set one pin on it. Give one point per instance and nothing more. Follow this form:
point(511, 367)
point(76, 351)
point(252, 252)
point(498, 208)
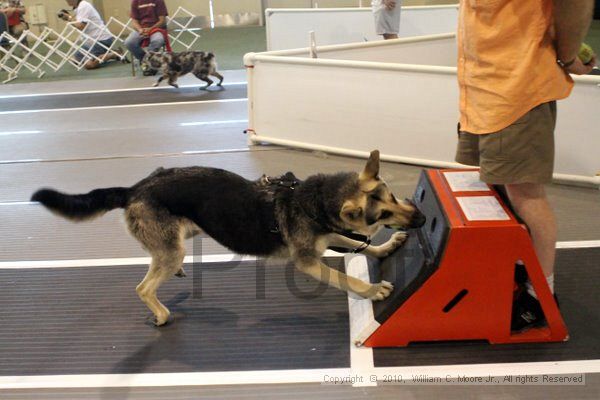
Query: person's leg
point(100, 50)
point(97, 51)
point(132, 43)
point(80, 54)
point(157, 41)
point(531, 204)
point(387, 22)
point(91, 64)
point(521, 157)
point(393, 22)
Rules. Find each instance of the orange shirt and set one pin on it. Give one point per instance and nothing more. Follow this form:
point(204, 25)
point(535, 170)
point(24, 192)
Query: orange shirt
point(506, 62)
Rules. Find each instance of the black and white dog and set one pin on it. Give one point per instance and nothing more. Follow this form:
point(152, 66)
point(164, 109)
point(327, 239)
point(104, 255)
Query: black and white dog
point(174, 65)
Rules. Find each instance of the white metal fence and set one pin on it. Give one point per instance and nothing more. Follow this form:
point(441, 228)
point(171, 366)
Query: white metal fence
point(52, 50)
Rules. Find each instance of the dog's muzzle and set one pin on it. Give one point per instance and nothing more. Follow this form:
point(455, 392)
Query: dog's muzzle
point(418, 219)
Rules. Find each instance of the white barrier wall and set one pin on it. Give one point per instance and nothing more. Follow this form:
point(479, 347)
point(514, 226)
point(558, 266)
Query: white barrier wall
point(408, 111)
point(288, 28)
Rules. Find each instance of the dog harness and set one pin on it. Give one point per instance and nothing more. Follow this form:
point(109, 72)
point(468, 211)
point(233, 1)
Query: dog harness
point(290, 182)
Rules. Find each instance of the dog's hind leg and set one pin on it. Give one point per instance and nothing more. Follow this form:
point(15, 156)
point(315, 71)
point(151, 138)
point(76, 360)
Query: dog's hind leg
point(162, 235)
point(202, 76)
point(164, 265)
point(158, 81)
point(173, 81)
point(219, 76)
point(190, 230)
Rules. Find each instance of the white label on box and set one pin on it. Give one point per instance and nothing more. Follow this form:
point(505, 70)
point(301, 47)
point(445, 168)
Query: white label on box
point(482, 208)
point(465, 181)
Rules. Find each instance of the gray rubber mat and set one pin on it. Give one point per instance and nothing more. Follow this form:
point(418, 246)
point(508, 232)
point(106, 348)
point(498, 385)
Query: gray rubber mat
point(589, 391)
point(123, 98)
point(225, 318)
point(577, 279)
point(127, 142)
point(166, 116)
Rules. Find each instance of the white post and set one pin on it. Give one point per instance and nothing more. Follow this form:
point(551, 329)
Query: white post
point(312, 44)
point(249, 64)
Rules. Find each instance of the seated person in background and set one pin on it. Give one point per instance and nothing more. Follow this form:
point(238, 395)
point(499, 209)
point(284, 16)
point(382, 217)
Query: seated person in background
point(14, 11)
point(150, 23)
point(87, 19)
point(3, 27)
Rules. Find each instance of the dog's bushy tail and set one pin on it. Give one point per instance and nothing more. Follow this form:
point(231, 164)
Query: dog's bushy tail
point(80, 207)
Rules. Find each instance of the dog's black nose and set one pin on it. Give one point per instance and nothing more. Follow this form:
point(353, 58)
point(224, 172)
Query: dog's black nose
point(418, 219)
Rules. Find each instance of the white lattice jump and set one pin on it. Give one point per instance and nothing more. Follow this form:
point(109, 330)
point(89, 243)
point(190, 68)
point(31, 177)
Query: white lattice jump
point(53, 50)
point(12, 61)
point(182, 28)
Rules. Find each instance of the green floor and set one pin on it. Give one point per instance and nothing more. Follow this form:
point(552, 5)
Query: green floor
point(229, 45)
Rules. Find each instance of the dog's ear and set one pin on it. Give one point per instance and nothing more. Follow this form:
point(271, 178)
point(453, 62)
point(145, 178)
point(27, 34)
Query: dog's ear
point(350, 212)
point(371, 170)
point(370, 175)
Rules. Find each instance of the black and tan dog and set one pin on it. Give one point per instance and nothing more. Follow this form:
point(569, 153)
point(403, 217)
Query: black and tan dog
point(174, 65)
point(297, 221)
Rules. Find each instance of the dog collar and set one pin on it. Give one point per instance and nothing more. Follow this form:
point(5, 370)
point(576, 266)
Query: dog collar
point(290, 181)
point(287, 181)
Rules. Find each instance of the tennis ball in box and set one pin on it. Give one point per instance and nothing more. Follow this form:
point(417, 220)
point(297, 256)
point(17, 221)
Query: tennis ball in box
point(586, 53)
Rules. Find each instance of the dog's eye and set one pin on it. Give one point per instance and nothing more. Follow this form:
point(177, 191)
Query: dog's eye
point(375, 197)
point(385, 214)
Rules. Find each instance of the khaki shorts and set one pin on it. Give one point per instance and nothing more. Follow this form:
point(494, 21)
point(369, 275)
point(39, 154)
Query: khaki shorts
point(520, 153)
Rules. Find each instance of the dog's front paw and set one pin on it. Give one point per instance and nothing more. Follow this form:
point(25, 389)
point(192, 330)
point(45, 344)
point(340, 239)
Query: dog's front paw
point(380, 291)
point(396, 241)
point(155, 85)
